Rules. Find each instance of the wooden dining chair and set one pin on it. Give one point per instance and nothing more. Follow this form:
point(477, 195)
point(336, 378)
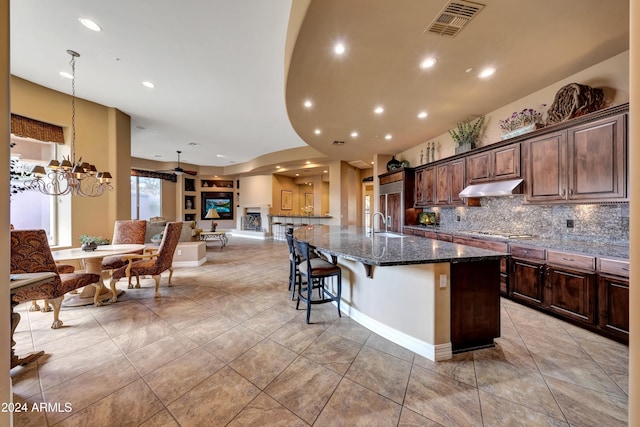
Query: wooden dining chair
point(153, 264)
point(125, 232)
point(30, 253)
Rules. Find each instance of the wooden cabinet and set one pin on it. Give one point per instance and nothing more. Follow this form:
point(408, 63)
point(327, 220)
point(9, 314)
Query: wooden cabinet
point(425, 185)
point(570, 293)
point(526, 279)
point(494, 246)
point(396, 200)
point(494, 165)
point(450, 181)
point(583, 163)
point(613, 297)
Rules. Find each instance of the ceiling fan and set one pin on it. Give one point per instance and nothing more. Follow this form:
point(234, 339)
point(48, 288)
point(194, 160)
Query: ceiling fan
point(178, 170)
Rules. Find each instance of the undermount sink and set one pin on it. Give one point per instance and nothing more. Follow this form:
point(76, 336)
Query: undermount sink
point(385, 234)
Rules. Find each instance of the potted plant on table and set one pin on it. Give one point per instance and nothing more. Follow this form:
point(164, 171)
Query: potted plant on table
point(91, 243)
point(466, 134)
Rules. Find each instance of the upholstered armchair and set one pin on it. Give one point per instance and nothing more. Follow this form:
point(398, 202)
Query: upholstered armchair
point(125, 232)
point(150, 264)
point(30, 253)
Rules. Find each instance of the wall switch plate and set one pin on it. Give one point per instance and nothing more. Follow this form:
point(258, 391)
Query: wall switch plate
point(179, 252)
point(570, 223)
point(443, 281)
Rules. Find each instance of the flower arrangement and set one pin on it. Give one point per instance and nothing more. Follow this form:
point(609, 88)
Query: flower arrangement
point(526, 117)
point(98, 240)
point(467, 132)
point(307, 209)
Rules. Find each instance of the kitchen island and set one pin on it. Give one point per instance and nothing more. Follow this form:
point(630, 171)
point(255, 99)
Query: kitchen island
point(434, 298)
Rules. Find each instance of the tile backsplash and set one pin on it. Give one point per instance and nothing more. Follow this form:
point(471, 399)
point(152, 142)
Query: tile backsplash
point(591, 222)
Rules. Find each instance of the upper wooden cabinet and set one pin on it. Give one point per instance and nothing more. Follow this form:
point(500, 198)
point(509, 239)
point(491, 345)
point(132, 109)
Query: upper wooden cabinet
point(494, 165)
point(425, 186)
point(582, 163)
point(450, 181)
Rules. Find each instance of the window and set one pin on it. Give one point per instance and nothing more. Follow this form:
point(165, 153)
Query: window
point(146, 197)
point(33, 209)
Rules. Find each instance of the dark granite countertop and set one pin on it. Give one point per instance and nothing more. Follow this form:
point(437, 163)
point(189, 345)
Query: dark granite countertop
point(596, 249)
point(351, 242)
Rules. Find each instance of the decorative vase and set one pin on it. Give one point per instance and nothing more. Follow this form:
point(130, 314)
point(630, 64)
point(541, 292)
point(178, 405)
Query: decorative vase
point(463, 148)
point(393, 164)
point(213, 228)
point(88, 247)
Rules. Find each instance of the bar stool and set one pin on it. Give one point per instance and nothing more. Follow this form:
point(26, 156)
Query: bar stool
point(277, 230)
point(316, 271)
point(294, 262)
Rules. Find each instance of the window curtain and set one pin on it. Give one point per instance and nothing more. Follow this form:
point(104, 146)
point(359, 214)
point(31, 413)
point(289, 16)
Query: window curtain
point(41, 131)
point(158, 175)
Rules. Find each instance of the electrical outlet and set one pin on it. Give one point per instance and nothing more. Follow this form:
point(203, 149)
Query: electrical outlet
point(443, 281)
point(179, 252)
point(570, 223)
point(458, 218)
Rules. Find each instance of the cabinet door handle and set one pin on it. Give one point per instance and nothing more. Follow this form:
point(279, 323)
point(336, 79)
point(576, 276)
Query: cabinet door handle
point(625, 268)
point(568, 259)
point(563, 192)
point(571, 191)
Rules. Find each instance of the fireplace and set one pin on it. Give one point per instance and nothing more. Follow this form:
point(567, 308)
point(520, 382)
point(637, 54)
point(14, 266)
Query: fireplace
point(252, 221)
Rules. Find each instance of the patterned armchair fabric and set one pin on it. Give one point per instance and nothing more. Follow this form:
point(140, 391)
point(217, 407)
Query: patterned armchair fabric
point(30, 253)
point(153, 264)
point(125, 232)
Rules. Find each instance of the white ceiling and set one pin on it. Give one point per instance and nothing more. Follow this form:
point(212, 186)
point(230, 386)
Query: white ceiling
point(219, 67)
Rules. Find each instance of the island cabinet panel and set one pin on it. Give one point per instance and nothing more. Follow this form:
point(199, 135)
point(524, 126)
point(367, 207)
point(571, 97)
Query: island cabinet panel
point(613, 298)
point(494, 246)
point(475, 304)
point(494, 165)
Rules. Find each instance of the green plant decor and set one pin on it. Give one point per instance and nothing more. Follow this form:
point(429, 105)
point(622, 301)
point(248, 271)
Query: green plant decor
point(467, 132)
point(98, 240)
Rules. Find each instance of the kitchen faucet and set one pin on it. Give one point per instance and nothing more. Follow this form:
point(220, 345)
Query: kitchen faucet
point(373, 226)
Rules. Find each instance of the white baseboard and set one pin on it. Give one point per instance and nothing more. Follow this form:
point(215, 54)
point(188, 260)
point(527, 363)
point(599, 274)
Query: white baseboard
point(432, 352)
point(197, 263)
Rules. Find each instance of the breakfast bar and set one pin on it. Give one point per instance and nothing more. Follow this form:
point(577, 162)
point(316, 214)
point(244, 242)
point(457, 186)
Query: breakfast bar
point(434, 298)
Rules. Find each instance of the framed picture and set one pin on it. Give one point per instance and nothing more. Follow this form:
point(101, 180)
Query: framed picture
point(221, 201)
point(308, 199)
point(286, 200)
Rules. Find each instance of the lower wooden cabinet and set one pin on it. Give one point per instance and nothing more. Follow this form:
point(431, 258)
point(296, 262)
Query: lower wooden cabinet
point(526, 281)
point(613, 297)
point(570, 293)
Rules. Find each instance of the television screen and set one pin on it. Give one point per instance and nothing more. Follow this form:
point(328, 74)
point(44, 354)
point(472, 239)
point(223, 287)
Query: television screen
point(221, 201)
point(220, 205)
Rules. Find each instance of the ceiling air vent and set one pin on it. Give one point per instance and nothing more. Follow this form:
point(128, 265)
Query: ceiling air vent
point(338, 142)
point(360, 164)
point(455, 15)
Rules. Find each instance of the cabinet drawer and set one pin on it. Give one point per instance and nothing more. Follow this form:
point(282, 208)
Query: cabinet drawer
point(394, 177)
point(445, 237)
point(570, 260)
point(526, 252)
point(430, 235)
point(617, 267)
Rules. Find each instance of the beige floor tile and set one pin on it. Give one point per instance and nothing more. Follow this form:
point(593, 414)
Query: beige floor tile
point(582, 372)
point(442, 399)
point(177, 377)
point(460, 367)
point(262, 363)
point(556, 340)
point(130, 406)
point(144, 335)
point(228, 346)
point(296, 335)
point(232, 393)
point(161, 419)
point(333, 351)
point(26, 380)
point(264, 411)
point(499, 412)
point(349, 328)
point(380, 372)
point(386, 346)
point(304, 388)
point(408, 418)
point(585, 407)
point(608, 352)
point(161, 352)
point(269, 320)
point(209, 328)
point(353, 405)
point(26, 416)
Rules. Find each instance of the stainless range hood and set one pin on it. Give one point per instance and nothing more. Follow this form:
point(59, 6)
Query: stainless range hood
point(491, 189)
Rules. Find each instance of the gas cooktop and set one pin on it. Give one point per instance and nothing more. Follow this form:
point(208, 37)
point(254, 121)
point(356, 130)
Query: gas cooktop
point(503, 234)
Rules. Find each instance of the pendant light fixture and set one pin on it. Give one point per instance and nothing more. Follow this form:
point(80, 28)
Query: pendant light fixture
point(70, 177)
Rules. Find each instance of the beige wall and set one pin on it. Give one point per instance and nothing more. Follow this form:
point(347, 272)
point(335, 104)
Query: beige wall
point(256, 191)
point(102, 138)
point(611, 74)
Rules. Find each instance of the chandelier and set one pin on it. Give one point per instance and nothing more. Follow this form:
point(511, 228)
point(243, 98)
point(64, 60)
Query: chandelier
point(70, 177)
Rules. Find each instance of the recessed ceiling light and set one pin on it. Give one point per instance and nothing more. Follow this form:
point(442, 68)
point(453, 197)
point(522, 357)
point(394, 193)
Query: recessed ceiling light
point(307, 162)
point(468, 70)
point(428, 63)
point(339, 48)
point(378, 110)
point(277, 167)
point(325, 171)
point(90, 24)
point(148, 84)
point(158, 155)
point(66, 75)
point(354, 134)
point(193, 144)
point(317, 131)
point(388, 136)
point(297, 174)
point(422, 114)
point(219, 155)
point(486, 73)
point(308, 104)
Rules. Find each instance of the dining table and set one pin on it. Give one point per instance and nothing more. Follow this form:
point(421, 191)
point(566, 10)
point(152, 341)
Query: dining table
point(92, 261)
point(18, 282)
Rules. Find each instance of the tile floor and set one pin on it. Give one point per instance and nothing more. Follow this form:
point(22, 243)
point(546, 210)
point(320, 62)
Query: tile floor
point(225, 346)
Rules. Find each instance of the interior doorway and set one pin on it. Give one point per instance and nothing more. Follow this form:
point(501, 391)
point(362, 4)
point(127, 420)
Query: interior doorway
point(367, 205)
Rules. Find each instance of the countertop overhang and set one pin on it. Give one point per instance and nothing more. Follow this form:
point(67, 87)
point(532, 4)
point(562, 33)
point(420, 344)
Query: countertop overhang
point(352, 242)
